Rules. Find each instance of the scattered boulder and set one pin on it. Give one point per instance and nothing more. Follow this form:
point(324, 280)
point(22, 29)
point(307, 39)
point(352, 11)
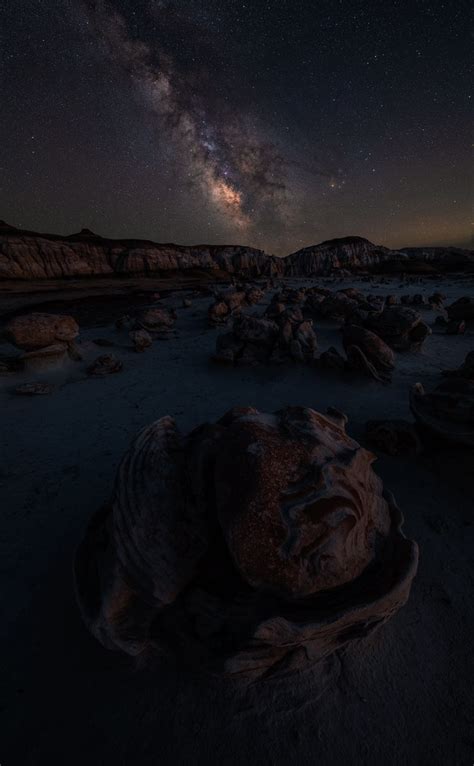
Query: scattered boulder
point(436, 300)
point(394, 437)
point(400, 327)
point(49, 356)
point(253, 546)
point(463, 308)
point(106, 364)
point(230, 303)
point(259, 340)
point(159, 321)
point(367, 352)
point(39, 330)
point(141, 340)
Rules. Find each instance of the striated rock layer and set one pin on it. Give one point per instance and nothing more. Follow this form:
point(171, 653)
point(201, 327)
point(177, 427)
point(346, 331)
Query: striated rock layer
point(27, 255)
point(253, 546)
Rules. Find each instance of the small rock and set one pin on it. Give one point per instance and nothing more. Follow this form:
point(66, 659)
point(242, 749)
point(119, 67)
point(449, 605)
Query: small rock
point(141, 340)
point(105, 365)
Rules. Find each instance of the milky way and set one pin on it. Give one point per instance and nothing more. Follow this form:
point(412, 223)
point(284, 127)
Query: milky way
point(242, 175)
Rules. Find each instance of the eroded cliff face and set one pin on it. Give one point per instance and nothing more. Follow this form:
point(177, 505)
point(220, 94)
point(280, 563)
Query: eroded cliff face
point(352, 253)
point(358, 254)
point(28, 255)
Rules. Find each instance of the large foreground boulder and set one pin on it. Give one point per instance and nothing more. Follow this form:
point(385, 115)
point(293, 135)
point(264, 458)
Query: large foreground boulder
point(38, 330)
point(253, 546)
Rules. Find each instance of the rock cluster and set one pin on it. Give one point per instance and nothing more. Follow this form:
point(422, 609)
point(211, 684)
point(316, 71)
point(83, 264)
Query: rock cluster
point(229, 303)
point(259, 340)
point(253, 546)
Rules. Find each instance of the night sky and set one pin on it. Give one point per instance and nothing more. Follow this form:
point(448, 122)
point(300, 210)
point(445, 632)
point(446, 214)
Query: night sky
point(272, 123)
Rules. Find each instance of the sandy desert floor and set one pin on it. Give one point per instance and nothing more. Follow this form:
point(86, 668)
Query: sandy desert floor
point(404, 696)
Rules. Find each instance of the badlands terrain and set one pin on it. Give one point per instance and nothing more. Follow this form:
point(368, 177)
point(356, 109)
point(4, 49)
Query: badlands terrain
point(403, 694)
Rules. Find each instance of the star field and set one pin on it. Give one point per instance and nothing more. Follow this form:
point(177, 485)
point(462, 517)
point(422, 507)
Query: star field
point(276, 124)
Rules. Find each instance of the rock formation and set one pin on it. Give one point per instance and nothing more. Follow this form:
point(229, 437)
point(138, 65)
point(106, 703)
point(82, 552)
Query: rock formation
point(27, 255)
point(259, 340)
point(157, 321)
point(106, 364)
point(141, 340)
point(254, 546)
point(367, 352)
point(38, 330)
point(229, 303)
point(400, 327)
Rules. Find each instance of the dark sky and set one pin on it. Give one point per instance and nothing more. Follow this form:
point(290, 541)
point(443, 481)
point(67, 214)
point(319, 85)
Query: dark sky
point(273, 123)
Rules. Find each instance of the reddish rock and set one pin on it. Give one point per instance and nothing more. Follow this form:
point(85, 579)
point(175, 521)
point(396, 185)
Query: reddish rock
point(106, 364)
point(254, 546)
point(38, 330)
point(156, 320)
point(141, 340)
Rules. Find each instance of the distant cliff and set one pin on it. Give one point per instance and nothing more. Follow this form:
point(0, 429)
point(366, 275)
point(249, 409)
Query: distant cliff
point(26, 255)
point(356, 254)
point(29, 255)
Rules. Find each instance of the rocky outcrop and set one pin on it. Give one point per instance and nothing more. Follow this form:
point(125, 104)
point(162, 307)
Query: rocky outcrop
point(29, 255)
point(253, 547)
point(352, 253)
point(356, 254)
